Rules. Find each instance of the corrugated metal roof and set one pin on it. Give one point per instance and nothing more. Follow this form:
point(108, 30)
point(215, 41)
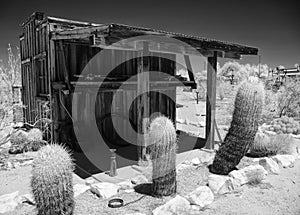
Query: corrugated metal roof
point(195, 41)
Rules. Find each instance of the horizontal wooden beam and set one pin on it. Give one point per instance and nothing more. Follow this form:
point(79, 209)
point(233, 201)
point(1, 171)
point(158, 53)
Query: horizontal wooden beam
point(80, 33)
point(68, 21)
point(40, 55)
point(118, 84)
point(27, 60)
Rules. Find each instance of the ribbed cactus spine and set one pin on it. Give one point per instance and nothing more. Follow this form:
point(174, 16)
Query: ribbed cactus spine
point(244, 125)
point(163, 144)
point(51, 181)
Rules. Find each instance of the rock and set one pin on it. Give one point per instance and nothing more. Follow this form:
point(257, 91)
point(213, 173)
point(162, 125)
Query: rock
point(175, 206)
point(28, 198)
point(201, 124)
point(186, 121)
point(270, 165)
point(256, 160)
point(136, 213)
point(296, 136)
point(202, 196)
point(26, 163)
point(79, 189)
point(270, 133)
point(284, 160)
point(129, 190)
point(206, 157)
point(9, 202)
point(249, 174)
point(140, 179)
point(90, 181)
point(181, 166)
point(104, 189)
point(124, 185)
point(194, 123)
point(181, 121)
point(187, 162)
point(229, 185)
point(220, 184)
point(195, 161)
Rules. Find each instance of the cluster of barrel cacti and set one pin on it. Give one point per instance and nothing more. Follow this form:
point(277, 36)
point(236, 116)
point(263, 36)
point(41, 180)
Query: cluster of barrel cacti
point(285, 125)
point(244, 126)
point(163, 146)
point(51, 181)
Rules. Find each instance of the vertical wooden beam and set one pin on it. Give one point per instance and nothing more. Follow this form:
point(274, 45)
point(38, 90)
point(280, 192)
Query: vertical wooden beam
point(211, 101)
point(190, 70)
point(143, 100)
point(50, 49)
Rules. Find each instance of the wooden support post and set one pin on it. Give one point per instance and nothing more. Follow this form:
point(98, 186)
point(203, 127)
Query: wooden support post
point(211, 101)
point(143, 85)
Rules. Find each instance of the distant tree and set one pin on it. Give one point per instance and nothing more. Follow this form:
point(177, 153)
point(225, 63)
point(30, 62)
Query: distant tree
point(233, 72)
point(10, 75)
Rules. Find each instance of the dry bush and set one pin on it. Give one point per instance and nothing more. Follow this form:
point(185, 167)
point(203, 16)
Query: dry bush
point(288, 98)
point(35, 134)
point(270, 109)
point(265, 145)
point(224, 88)
point(255, 178)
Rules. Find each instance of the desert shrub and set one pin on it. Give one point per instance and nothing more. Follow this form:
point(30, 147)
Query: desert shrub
point(288, 98)
point(223, 88)
point(18, 140)
point(163, 143)
point(34, 145)
point(270, 108)
point(265, 145)
point(35, 134)
point(244, 125)
point(51, 181)
point(255, 177)
point(19, 137)
point(23, 141)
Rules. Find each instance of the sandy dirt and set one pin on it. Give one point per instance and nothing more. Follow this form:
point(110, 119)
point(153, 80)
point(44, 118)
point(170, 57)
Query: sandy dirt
point(279, 194)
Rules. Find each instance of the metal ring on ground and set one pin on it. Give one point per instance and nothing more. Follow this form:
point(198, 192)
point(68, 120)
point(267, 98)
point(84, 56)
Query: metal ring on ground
point(115, 203)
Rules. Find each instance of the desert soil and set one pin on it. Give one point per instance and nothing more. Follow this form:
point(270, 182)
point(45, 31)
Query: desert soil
point(279, 194)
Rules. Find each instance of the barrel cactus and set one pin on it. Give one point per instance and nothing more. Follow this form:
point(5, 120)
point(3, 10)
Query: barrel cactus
point(244, 126)
point(35, 134)
point(51, 181)
point(163, 144)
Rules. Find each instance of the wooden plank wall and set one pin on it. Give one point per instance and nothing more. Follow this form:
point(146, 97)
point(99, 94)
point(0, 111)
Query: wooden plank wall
point(77, 56)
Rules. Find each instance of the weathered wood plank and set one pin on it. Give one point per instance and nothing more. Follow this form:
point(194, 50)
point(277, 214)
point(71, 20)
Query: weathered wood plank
point(211, 102)
point(143, 90)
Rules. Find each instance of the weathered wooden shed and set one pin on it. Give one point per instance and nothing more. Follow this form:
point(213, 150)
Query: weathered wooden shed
point(54, 52)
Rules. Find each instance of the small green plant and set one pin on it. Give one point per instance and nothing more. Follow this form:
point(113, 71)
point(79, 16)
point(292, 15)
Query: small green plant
point(268, 146)
point(51, 181)
point(244, 125)
point(163, 144)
